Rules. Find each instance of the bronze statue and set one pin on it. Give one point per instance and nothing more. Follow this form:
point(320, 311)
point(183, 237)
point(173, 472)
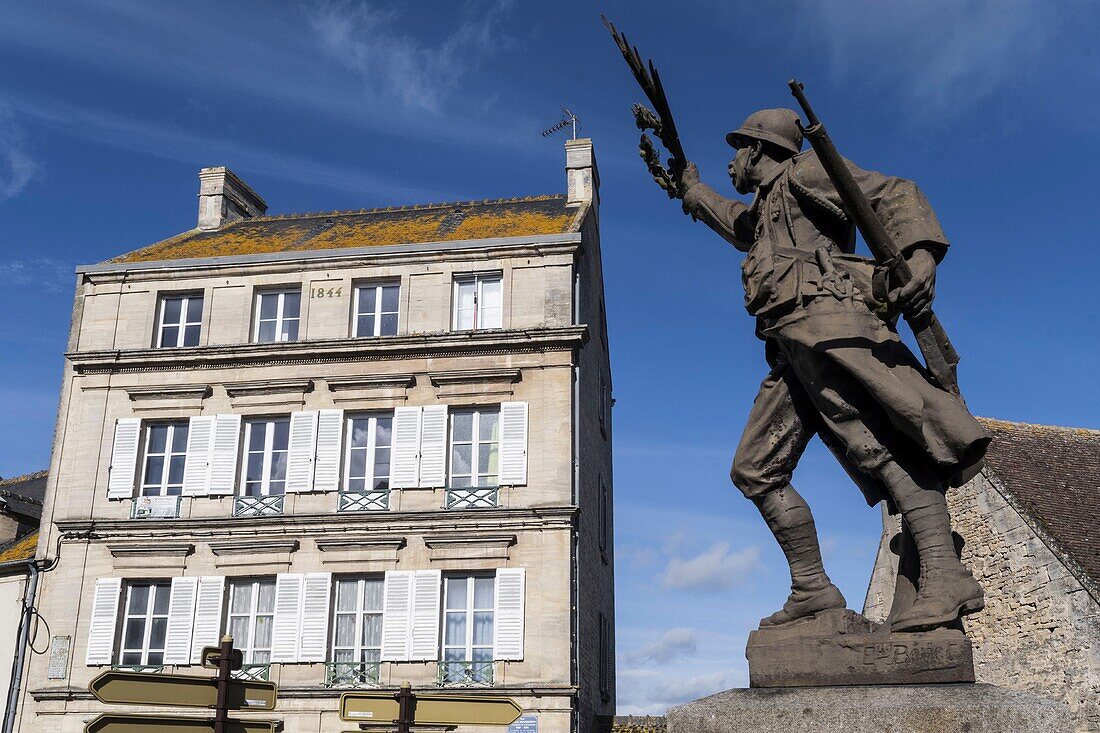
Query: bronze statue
point(838, 368)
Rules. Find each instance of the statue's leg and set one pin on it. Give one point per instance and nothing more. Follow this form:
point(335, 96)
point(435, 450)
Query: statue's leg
point(946, 589)
point(779, 427)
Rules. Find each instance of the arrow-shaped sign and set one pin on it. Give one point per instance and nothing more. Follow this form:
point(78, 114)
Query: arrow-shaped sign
point(139, 688)
point(126, 723)
point(366, 707)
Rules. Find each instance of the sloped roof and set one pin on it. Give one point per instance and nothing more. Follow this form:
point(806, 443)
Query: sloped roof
point(461, 220)
point(20, 549)
point(24, 494)
point(1054, 473)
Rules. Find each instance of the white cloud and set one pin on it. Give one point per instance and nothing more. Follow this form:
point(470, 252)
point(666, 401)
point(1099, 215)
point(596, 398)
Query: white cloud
point(42, 272)
point(673, 644)
point(644, 692)
point(716, 568)
point(17, 167)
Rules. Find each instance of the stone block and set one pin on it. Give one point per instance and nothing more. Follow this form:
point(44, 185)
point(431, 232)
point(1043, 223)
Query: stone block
point(964, 708)
point(843, 648)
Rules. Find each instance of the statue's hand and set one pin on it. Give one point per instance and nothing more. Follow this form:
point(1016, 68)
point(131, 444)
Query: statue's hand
point(688, 177)
point(916, 297)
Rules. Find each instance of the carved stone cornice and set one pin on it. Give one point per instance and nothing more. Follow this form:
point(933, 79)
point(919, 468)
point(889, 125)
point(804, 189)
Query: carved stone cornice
point(329, 351)
point(168, 392)
point(249, 547)
point(268, 387)
point(266, 555)
point(177, 549)
point(371, 381)
point(335, 544)
point(456, 549)
point(474, 376)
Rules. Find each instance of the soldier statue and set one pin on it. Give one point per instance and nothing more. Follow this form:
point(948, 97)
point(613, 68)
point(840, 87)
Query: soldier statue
point(838, 367)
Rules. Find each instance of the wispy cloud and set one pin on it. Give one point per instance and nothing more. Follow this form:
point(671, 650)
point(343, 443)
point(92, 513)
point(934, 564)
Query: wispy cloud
point(717, 568)
point(17, 167)
point(51, 275)
point(648, 692)
point(673, 644)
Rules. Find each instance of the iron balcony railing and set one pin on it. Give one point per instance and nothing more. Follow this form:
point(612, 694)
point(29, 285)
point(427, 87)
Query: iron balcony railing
point(352, 674)
point(146, 668)
point(473, 497)
point(377, 500)
point(465, 674)
point(155, 507)
point(253, 672)
point(258, 506)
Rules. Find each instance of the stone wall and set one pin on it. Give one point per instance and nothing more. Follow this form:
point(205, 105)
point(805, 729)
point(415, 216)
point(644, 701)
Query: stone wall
point(639, 724)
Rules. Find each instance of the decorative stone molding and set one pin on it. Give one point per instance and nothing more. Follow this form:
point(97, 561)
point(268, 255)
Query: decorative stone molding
point(389, 388)
point(268, 554)
point(475, 382)
point(457, 550)
point(168, 396)
point(161, 556)
point(369, 553)
point(265, 392)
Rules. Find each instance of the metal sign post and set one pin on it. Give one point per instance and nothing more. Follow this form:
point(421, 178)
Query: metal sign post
point(404, 709)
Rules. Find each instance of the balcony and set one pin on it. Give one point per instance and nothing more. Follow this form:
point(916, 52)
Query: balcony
point(155, 507)
point(352, 674)
point(377, 500)
point(473, 497)
point(258, 506)
point(253, 672)
point(144, 668)
point(465, 674)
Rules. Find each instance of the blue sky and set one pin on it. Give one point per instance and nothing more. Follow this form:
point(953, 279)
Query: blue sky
point(108, 110)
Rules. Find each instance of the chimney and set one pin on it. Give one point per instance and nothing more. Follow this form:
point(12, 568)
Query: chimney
point(581, 172)
point(224, 199)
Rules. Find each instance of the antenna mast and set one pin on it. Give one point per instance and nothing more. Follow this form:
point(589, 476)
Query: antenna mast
point(568, 120)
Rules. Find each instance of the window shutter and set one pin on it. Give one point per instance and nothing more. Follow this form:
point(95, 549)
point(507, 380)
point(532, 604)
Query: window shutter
point(124, 456)
point(315, 604)
point(223, 458)
point(330, 433)
point(301, 447)
point(424, 644)
point(181, 620)
point(101, 626)
point(208, 615)
point(405, 459)
point(508, 614)
point(288, 617)
point(196, 470)
point(396, 615)
point(513, 443)
point(433, 447)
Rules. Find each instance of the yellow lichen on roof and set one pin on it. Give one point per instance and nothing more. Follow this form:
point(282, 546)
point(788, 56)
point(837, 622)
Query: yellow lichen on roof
point(21, 550)
point(469, 220)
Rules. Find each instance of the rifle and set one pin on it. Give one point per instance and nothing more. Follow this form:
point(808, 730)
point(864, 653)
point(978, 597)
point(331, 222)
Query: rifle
point(660, 122)
point(939, 355)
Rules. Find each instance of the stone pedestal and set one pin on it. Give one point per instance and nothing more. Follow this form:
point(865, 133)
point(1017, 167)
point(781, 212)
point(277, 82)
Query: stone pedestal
point(843, 648)
point(962, 708)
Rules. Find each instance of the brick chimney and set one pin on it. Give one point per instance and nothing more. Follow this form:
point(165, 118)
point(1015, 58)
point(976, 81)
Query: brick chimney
point(582, 175)
point(224, 198)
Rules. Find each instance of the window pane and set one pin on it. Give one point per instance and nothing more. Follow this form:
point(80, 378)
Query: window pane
point(160, 601)
point(483, 592)
point(365, 326)
point(263, 632)
point(158, 438)
point(157, 632)
point(155, 658)
point(267, 332)
point(194, 309)
point(345, 630)
point(175, 469)
point(455, 631)
point(263, 657)
point(372, 594)
point(487, 460)
point(191, 336)
point(346, 595)
point(455, 655)
point(292, 303)
point(135, 634)
point(278, 467)
point(383, 430)
point(460, 460)
point(456, 593)
point(488, 423)
point(389, 325)
point(372, 629)
point(242, 598)
point(483, 627)
point(154, 468)
point(463, 426)
point(357, 484)
point(255, 469)
point(460, 482)
point(169, 336)
point(483, 655)
point(269, 305)
point(358, 464)
point(372, 655)
point(238, 629)
point(359, 432)
point(179, 438)
point(266, 602)
point(282, 434)
point(139, 599)
point(289, 331)
point(365, 300)
point(256, 436)
point(344, 655)
point(172, 310)
point(389, 298)
point(381, 462)
point(489, 318)
point(131, 658)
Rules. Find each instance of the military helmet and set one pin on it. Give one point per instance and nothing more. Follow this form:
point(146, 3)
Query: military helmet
point(776, 126)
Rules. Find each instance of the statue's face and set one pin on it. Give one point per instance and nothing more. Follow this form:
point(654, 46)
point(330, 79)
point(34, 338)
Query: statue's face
point(741, 170)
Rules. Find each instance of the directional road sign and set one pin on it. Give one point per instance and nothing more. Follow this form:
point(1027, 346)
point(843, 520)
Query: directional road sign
point(139, 688)
point(125, 723)
point(211, 654)
point(365, 707)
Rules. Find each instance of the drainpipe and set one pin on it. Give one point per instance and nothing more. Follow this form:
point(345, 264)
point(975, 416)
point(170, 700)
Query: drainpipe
point(21, 647)
point(576, 449)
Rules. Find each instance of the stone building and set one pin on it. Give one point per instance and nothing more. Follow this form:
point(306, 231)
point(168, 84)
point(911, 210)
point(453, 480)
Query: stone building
point(373, 445)
point(1029, 521)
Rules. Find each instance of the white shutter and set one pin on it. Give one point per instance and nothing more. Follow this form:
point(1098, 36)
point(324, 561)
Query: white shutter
point(200, 441)
point(433, 447)
point(396, 615)
point(208, 615)
point(223, 455)
point(124, 455)
point(315, 603)
point(513, 443)
point(405, 459)
point(301, 447)
point(330, 433)
point(288, 617)
point(181, 620)
point(424, 644)
point(101, 626)
point(508, 614)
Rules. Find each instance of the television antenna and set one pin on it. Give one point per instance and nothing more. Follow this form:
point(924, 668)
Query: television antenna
point(568, 119)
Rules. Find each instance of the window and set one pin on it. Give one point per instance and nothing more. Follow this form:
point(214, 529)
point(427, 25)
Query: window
point(605, 657)
point(367, 464)
point(477, 302)
point(468, 628)
point(376, 309)
point(145, 624)
point(357, 622)
point(251, 617)
point(604, 515)
point(180, 320)
point(165, 455)
point(277, 315)
point(266, 444)
point(475, 447)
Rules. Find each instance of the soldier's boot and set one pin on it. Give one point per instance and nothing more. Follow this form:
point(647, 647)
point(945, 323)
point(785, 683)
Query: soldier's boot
point(947, 590)
point(789, 518)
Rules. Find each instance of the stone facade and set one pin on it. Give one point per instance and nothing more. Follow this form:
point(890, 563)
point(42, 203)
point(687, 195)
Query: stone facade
point(1040, 630)
point(545, 535)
